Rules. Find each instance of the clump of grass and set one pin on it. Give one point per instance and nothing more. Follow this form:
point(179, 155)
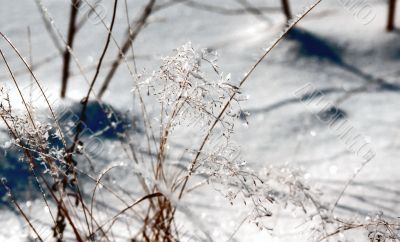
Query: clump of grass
point(188, 95)
point(189, 91)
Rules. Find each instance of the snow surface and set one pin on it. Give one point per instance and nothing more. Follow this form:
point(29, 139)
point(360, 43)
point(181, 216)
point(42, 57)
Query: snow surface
point(338, 52)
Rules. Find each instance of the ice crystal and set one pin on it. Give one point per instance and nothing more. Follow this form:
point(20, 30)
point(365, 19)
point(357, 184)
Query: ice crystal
point(191, 89)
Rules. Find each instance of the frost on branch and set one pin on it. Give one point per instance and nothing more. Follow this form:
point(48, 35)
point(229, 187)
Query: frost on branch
point(191, 89)
point(31, 135)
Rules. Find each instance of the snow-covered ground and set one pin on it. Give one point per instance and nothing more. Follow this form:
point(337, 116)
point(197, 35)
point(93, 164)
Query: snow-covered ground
point(332, 50)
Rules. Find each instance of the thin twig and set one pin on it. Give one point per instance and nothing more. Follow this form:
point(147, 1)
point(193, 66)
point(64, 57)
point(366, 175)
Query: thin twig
point(125, 47)
point(12, 198)
point(70, 41)
point(150, 196)
point(86, 99)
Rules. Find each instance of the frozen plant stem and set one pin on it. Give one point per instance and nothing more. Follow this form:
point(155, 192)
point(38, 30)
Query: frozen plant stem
point(99, 64)
point(391, 15)
point(286, 9)
point(125, 47)
point(71, 35)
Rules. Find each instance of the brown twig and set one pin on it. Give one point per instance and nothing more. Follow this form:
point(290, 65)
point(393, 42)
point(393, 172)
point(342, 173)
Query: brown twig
point(125, 47)
point(70, 41)
point(391, 15)
point(150, 196)
point(86, 99)
point(286, 9)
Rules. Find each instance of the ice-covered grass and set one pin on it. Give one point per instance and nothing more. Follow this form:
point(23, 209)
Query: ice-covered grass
point(355, 66)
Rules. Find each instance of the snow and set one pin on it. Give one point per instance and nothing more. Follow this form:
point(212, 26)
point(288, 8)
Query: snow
point(281, 129)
